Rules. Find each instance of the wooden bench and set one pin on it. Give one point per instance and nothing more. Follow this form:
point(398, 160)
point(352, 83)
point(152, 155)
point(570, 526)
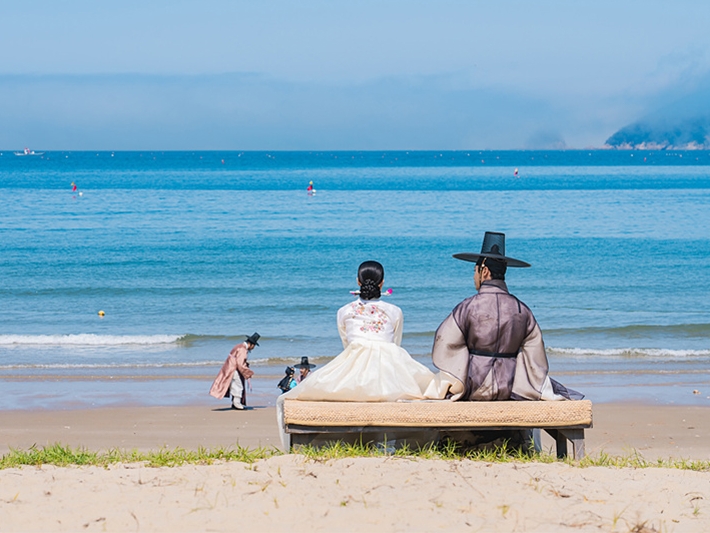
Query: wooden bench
point(305, 421)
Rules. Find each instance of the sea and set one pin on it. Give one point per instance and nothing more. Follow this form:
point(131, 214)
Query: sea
point(126, 277)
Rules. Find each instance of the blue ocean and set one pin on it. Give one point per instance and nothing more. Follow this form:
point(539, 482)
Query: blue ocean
point(186, 253)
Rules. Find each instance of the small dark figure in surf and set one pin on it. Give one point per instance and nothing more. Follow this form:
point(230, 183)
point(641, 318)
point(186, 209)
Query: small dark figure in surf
point(288, 381)
point(305, 367)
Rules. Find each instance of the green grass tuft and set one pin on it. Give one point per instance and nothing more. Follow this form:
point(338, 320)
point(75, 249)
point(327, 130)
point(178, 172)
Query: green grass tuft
point(446, 451)
point(497, 454)
point(61, 455)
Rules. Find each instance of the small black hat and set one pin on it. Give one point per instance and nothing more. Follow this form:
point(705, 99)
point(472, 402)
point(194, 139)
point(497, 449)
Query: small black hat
point(253, 339)
point(494, 248)
point(304, 363)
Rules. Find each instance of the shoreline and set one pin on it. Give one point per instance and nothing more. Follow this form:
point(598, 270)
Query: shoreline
point(652, 431)
point(82, 392)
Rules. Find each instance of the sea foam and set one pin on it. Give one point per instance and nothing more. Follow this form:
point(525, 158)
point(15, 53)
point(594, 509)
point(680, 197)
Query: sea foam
point(87, 339)
point(659, 353)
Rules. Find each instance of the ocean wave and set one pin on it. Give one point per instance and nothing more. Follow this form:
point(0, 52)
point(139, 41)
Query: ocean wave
point(637, 330)
point(318, 360)
point(656, 353)
point(97, 366)
point(629, 332)
point(89, 339)
point(94, 340)
point(260, 362)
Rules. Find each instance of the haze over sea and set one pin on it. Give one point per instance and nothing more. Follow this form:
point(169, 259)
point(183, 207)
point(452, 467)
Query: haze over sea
point(188, 252)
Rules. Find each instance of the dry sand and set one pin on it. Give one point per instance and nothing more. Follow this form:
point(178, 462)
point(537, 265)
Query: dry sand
point(390, 494)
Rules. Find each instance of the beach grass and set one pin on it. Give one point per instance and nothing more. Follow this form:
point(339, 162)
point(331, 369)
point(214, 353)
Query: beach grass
point(498, 454)
point(61, 455)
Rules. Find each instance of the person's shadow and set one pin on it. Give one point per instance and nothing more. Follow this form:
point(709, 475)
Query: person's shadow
point(248, 408)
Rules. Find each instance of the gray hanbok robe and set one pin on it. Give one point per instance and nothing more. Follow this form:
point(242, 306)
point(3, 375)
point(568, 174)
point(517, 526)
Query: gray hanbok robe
point(492, 344)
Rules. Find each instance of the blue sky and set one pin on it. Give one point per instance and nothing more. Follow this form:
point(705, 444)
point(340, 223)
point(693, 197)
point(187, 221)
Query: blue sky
point(341, 75)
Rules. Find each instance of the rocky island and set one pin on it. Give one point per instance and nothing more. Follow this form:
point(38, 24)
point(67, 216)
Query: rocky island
point(686, 134)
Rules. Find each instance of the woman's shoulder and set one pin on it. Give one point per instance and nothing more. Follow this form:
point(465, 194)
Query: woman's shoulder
point(347, 307)
point(387, 307)
point(387, 304)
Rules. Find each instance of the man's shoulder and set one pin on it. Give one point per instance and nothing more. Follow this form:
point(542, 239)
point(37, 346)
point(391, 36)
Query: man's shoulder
point(468, 300)
point(465, 304)
point(241, 347)
point(481, 297)
point(522, 304)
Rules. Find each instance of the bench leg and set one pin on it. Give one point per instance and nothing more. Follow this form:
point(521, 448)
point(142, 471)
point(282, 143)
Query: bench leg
point(575, 436)
point(561, 441)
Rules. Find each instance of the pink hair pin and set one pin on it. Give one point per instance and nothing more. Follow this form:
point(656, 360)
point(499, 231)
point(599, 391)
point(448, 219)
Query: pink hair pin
point(388, 292)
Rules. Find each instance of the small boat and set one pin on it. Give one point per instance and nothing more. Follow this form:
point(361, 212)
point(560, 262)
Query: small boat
point(27, 151)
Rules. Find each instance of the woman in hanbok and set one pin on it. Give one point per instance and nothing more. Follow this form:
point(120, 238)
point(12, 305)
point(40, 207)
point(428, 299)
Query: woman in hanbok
point(373, 367)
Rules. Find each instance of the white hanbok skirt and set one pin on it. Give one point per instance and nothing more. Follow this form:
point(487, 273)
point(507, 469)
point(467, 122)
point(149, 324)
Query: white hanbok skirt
point(369, 371)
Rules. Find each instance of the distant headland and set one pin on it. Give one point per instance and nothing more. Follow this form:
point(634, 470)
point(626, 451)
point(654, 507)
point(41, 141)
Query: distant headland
point(663, 134)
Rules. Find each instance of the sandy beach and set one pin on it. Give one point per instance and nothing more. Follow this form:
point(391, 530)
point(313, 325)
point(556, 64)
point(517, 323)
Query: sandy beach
point(653, 431)
point(391, 494)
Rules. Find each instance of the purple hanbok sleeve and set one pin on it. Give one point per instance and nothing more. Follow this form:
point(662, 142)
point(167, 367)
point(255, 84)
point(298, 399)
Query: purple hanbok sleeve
point(450, 354)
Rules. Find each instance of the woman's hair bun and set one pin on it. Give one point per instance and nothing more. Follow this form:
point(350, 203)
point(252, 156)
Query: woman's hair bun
point(370, 275)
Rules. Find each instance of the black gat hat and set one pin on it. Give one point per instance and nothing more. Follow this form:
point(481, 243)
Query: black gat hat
point(304, 363)
point(493, 248)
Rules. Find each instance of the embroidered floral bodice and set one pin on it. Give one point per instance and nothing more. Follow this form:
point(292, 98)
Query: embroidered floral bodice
point(370, 320)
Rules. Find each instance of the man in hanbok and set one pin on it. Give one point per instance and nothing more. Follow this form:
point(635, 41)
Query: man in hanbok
point(491, 342)
point(231, 380)
point(304, 368)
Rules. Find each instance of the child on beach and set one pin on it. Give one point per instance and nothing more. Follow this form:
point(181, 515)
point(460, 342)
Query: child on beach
point(288, 381)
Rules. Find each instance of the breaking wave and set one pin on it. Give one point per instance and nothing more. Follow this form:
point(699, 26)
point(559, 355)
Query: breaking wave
point(655, 353)
point(88, 339)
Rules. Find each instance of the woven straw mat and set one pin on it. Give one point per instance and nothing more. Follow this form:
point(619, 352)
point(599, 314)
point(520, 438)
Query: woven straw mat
point(439, 414)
